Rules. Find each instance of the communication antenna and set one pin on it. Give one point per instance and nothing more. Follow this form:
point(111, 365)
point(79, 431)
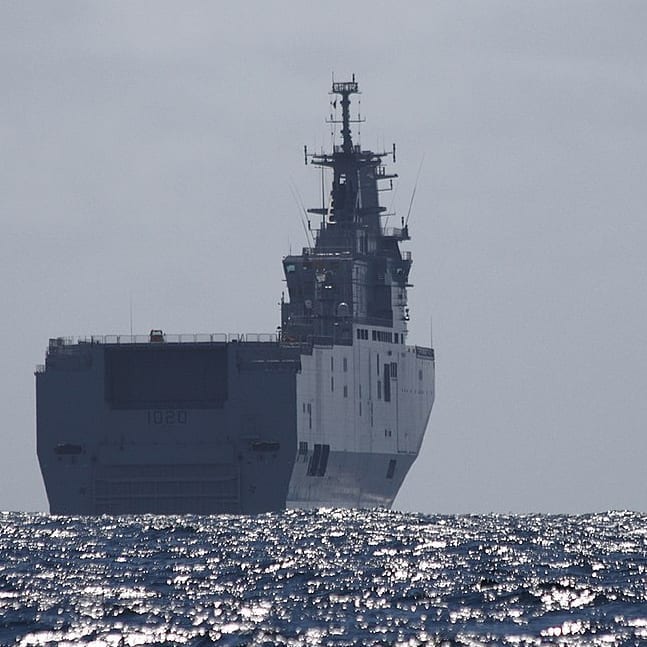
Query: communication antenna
point(431, 332)
point(359, 119)
point(131, 314)
point(415, 186)
point(302, 213)
point(323, 191)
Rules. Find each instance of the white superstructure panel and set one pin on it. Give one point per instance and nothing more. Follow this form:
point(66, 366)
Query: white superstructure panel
point(366, 407)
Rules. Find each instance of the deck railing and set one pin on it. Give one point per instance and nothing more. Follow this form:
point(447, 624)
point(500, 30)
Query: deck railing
point(185, 338)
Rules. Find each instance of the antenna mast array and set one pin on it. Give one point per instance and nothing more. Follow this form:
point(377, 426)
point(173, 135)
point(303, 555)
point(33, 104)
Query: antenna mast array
point(345, 89)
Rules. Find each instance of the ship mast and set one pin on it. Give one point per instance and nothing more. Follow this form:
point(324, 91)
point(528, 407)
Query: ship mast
point(345, 89)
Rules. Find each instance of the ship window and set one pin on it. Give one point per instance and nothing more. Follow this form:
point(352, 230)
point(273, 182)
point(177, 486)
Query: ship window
point(290, 268)
point(309, 416)
point(391, 469)
point(378, 364)
point(420, 374)
point(375, 335)
point(345, 364)
point(332, 364)
point(360, 408)
point(303, 448)
point(387, 382)
point(379, 390)
point(332, 383)
point(345, 391)
point(394, 369)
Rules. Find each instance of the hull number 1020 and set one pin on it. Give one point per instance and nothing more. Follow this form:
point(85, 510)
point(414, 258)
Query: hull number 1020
point(167, 417)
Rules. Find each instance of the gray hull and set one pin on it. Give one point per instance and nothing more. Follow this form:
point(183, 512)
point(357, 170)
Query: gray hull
point(167, 428)
point(204, 428)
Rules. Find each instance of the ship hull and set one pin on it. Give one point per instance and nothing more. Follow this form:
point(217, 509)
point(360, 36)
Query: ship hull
point(225, 427)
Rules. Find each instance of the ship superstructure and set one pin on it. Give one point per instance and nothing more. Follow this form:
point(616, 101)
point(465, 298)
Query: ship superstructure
point(331, 411)
point(365, 394)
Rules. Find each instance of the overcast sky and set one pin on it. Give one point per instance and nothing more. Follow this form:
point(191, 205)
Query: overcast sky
point(148, 151)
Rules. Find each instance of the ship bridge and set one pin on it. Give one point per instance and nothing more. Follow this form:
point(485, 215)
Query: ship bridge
point(356, 272)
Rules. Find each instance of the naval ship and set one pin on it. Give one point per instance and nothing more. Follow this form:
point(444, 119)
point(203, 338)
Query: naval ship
point(329, 411)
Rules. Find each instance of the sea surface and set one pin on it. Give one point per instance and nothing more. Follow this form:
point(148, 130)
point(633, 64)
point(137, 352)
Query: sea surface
point(326, 577)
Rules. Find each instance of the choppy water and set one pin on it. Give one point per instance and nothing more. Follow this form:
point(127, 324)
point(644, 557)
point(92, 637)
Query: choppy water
point(328, 577)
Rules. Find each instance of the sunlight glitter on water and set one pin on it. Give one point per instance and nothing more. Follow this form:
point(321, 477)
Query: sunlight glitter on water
point(329, 577)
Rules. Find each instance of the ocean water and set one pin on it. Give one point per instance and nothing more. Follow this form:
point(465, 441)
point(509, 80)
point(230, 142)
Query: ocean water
point(326, 577)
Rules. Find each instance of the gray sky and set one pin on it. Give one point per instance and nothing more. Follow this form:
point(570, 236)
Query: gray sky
point(147, 154)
